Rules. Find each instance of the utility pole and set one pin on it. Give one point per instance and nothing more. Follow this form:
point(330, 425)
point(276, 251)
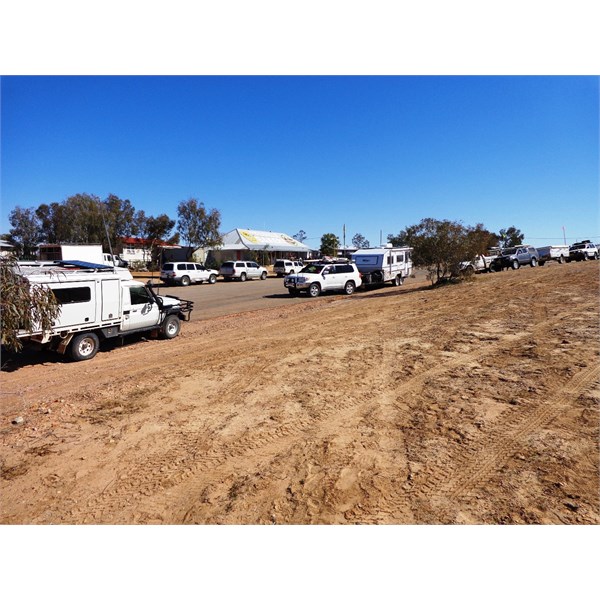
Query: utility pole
point(344, 246)
point(564, 236)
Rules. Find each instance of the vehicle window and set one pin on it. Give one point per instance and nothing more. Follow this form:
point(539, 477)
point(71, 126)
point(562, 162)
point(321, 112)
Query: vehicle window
point(199, 267)
point(279, 263)
point(253, 265)
point(313, 269)
point(399, 258)
point(344, 269)
point(139, 295)
point(227, 264)
point(168, 267)
point(180, 267)
point(72, 295)
point(191, 267)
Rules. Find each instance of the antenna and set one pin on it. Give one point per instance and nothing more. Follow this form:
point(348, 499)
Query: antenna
point(106, 231)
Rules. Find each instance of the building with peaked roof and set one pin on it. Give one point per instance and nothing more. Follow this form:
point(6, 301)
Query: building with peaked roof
point(249, 244)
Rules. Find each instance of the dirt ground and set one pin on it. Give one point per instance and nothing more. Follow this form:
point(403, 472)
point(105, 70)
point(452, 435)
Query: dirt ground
point(472, 403)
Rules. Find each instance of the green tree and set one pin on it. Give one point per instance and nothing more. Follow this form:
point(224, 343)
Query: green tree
point(359, 241)
point(510, 237)
point(152, 231)
point(25, 231)
point(329, 244)
point(197, 226)
point(23, 306)
point(440, 246)
point(300, 236)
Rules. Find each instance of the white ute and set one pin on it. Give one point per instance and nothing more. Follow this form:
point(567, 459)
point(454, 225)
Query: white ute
point(99, 303)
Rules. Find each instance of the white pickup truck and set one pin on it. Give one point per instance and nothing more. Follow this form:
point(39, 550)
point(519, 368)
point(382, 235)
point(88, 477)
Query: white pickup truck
point(480, 264)
point(101, 303)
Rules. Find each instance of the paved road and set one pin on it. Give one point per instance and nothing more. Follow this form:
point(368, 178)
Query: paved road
point(229, 297)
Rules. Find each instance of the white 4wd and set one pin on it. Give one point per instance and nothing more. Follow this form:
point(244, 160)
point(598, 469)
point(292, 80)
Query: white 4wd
point(185, 273)
point(242, 270)
point(287, 267)
point(322, 277)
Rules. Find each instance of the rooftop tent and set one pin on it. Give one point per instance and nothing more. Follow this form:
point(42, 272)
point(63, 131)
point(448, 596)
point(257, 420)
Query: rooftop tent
point(250, 239)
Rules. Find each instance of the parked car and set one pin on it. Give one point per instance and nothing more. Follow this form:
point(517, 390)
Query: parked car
point(242, 270)
point(287, 267)
point(515, 257)
point(323, 277)
point(480, 264)
point(186, 273)
point(583, 251)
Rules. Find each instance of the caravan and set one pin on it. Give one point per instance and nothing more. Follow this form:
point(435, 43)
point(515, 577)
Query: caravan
point(384, 264)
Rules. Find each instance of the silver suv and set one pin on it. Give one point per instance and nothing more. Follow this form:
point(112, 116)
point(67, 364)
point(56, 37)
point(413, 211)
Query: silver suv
point(287, 267)
point(323, 277)
point(242, 270)
point(185, 273)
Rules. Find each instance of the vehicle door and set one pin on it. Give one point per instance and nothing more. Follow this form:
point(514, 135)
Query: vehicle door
point(253, 270)
point(329, 278)
point(522, 256)
point(201, 273)
point(139, 308)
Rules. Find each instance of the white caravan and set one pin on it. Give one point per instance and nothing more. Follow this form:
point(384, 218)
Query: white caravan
point(384, 264)
point(101, 303)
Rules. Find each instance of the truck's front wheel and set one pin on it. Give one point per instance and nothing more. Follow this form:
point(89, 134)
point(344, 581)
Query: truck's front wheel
point(84, 346)
point(171, 327)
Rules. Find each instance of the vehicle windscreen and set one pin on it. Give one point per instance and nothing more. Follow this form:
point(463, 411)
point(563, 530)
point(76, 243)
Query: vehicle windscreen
point(227, 265)
point(279, 263)
point(312, 269)
point(577, 246)
point(508, 251)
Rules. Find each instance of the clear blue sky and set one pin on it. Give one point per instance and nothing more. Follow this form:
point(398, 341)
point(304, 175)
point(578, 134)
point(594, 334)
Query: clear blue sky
point(314, 153)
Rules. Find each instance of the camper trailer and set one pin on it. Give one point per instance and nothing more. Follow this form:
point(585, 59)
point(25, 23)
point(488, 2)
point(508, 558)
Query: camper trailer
point(98, 303)
point(383, 265)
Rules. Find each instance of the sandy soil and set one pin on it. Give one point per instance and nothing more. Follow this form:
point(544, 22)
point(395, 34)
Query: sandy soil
point(474, 403)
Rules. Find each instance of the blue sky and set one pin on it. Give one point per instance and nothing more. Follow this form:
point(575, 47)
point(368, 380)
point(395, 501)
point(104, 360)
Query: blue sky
point(314, 152)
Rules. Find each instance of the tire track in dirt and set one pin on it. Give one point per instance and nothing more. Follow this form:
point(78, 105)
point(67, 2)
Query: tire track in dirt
point(184, 457)
point(333, 416)
point(499, 445)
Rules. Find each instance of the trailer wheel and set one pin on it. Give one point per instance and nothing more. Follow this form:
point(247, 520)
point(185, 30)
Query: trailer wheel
point(398, 280)
point(185, 280)
point(561, 259)
point(84, 346)
point(314, 290)
point(171, 327)
point(349, 288)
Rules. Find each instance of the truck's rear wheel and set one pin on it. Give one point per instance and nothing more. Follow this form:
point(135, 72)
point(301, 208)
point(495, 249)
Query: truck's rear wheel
point(349, 288)
point(185, 280)
point(243, 277)
point(533, 261)
point(398, 280)
point(84, 346)
point(171, 327)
